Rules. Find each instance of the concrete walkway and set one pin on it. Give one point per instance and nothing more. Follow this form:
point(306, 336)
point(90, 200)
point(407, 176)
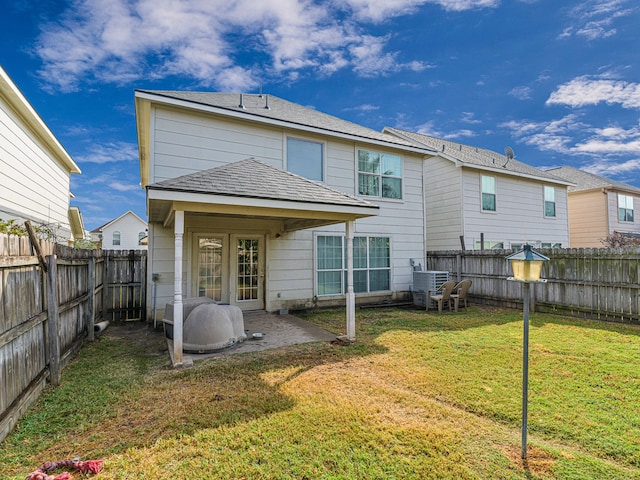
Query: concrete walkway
point(277, 331)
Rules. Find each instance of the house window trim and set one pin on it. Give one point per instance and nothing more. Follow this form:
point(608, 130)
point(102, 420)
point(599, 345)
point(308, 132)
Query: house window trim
point(113, 238)
point(545, 201)
point(626, 209)
point(495, 195)
point(380, 176)
point(285, 160)
point(344, 266)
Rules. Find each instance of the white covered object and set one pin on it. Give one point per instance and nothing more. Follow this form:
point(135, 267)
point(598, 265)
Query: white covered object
point(211, 327)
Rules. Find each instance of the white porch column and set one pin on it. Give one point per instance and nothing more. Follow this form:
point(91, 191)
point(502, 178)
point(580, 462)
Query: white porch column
point(351, 297)
point(177, 289)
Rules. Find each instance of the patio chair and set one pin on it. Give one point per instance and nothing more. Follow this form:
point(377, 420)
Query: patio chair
point(460, 292)
point(441, 295)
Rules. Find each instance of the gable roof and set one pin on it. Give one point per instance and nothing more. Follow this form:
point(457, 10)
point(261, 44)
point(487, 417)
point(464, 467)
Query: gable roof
point(265, 109)
point(253, 179)
point(585, 181)
point(270, 108)
point(482, 158)
point(128, 212)
point(11, 94)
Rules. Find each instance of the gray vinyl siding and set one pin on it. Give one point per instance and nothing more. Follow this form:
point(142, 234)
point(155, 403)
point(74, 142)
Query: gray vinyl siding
point(443, 204)
point(34, 185)
point(184, 143)
point(519, 214)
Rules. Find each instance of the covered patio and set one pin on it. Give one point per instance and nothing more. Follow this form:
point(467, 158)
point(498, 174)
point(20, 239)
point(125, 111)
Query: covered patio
point(254, 195)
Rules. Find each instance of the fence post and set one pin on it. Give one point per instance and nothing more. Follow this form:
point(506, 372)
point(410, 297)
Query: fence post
point(105, 285)
point(91, 287)
point(52, 319)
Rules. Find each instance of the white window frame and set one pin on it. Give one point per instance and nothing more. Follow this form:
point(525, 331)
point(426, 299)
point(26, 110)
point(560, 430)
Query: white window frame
point(380, 175)
point(549, 196)
point(625, 202)
point(343, 269)
point(494, 193)
point(307, 140)
point(116, 239)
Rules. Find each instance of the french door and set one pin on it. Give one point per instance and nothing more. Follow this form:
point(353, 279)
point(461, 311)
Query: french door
point(230, 269)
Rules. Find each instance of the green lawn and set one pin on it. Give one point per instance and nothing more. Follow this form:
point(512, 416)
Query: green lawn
point(420, 395)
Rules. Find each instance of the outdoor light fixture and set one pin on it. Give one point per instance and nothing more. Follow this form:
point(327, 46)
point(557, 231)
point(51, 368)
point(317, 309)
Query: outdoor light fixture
point(527, 266)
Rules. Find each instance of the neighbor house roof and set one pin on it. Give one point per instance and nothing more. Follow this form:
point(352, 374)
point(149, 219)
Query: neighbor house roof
point(10, 93)
point(589, 181)
point(128, 212)
point(253, 179)
point(467, 155)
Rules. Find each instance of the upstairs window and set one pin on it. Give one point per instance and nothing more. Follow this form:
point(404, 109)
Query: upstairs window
point(116, 238)
point(549, 201)
point(141, 237)
point(379, 174)
point(488, 185)
point(625, 208)
point(305, 158)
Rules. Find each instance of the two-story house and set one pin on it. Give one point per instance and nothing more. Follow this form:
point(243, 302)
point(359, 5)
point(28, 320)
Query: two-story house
point(127, 232)
point(481, 199)
point(598, 207)
point(36, 169)
point(256, 201)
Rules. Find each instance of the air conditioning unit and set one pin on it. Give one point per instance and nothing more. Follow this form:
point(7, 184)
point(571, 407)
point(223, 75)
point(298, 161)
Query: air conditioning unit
point(425, 281)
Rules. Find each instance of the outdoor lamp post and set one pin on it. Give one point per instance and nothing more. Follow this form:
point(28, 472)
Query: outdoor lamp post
point(527, 266)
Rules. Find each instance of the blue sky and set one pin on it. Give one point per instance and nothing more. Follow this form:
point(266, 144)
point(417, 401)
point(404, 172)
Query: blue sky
point(558, 81)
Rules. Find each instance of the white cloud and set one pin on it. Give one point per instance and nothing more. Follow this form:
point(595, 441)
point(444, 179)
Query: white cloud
point(109, 152)
point(609, 169)
point(521, 93)
point(121, 41)
point(594, 19)
point(587, 90)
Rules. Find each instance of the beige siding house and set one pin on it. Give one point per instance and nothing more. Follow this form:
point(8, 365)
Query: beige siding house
point(265, 204)
point(36, 169)
point(484, 197)
point(598, 207)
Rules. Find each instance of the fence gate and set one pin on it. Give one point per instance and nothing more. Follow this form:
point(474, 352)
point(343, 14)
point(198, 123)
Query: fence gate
point(124, 295)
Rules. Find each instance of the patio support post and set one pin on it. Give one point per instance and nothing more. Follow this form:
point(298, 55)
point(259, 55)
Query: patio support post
point(351, 297)
point(177, 289)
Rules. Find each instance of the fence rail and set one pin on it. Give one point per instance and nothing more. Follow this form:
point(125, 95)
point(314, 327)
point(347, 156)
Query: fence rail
point(592, 283)
point(48, 307)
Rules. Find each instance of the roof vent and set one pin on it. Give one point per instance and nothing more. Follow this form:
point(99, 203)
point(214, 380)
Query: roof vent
point(241, 102)
point(443, 147)
point(266, 102)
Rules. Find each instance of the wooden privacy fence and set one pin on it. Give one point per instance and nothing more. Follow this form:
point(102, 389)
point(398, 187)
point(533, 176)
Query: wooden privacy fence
point(601, 283)
point(48, 307)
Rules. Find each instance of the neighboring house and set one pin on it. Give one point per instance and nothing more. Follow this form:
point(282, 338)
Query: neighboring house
point(252, 201)
point(598, 207)
point(477, 194)
point(127, 232)
point(36, 169)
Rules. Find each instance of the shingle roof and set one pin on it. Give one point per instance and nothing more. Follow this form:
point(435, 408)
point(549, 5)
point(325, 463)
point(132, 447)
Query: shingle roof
point(587, 181)
point(278, 109)
point(469, 155)
point(254, 179)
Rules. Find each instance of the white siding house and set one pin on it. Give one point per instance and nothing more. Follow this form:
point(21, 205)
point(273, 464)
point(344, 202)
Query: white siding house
point(35, 167)
point(127, 232)
point(252, 201)
point(476, 194)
